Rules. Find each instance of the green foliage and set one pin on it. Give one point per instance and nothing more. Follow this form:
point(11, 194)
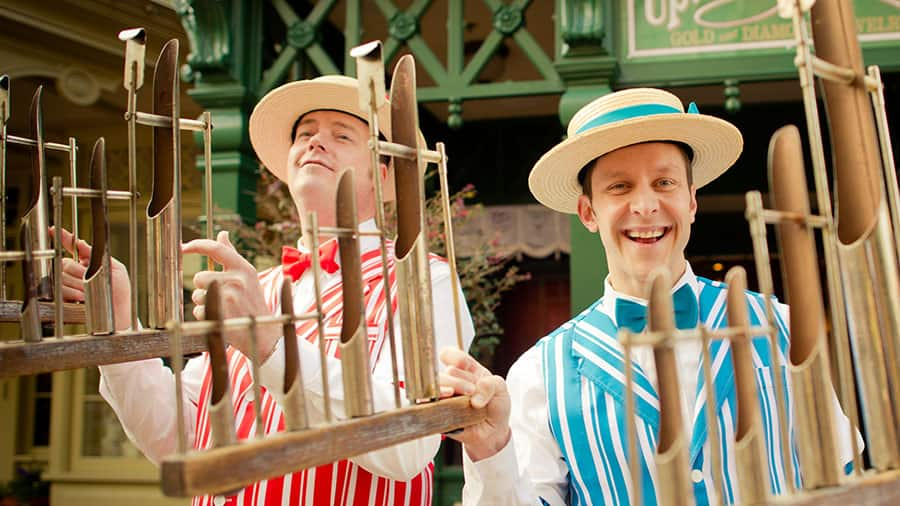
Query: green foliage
point(484, 276)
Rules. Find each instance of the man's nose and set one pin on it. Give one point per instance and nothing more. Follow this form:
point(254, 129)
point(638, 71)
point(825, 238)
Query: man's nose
point(644, 201)
point(315, 142)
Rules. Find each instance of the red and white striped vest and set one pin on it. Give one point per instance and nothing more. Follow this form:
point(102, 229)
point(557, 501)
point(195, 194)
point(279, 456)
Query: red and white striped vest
point(342, 483)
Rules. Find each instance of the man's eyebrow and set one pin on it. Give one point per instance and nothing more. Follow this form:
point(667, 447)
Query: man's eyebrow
point(342, 124)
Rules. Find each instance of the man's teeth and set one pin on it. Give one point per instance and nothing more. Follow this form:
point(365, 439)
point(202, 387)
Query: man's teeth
point(646, 234)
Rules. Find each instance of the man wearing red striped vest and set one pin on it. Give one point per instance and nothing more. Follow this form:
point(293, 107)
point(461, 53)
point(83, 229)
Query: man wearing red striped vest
point(305, 133)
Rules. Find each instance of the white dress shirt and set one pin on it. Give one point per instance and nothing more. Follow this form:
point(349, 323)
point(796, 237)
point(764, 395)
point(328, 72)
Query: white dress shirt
point(142, 393)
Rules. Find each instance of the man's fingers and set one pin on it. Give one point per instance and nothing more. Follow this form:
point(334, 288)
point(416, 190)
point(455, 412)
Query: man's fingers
point(198, 296)
point(485, 390)
point(203, 279)
point(84, 249)
point(73, 268)
point(199, 312)
point(454, 357)
point(222, 253)
point(222, 237)
point(459, 385)
point(72, 295)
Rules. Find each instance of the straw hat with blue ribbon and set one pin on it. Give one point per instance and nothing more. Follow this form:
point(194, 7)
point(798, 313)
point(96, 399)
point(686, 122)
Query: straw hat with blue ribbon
point(625, 118)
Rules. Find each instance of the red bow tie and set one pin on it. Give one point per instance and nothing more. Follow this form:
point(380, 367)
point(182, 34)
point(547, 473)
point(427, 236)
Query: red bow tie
point(294, 263)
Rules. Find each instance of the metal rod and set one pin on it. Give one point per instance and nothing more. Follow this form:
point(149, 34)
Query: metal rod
point(764, 278)
point(24, 141)
point(771, 216)
point(4, 113)
point(73, 159)
point(313, 232)
point(830, 71)
point(711, 419)
point(448, 242)
point(257, 390)
point(207, 172)
point(634, 459)
point(92, 193)
point(159, 121)
point(132, 188)
point(349, 232)
point(177, 367)
point(18, 256)
point(829, 234)
point(406, 152)
point(57, 257)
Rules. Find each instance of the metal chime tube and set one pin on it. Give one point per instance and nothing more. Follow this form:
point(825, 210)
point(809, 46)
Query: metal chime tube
point(672, 462)
point(370, 73)
point(97, 278)
point(412, 263)
point(354, 343)
point(37, 215)
point(4, 117)
point(809, 362)
point(135, 51)
point(294, 406)
point(164, 210)
point(865, 239)
point(221, 411)
point(750, 444)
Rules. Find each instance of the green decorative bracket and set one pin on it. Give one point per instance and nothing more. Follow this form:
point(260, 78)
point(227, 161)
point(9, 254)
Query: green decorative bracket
point(207, 29)
point(403, 26)
point(582, 27)
point(508, 19)
point(732, 96)
point(301, 34)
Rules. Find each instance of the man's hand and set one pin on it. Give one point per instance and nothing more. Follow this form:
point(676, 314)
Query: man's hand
point(73, 279)
point(464, 375)
point(240, 290)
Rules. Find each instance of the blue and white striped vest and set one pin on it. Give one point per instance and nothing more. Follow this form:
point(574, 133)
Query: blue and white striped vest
point(585, 385)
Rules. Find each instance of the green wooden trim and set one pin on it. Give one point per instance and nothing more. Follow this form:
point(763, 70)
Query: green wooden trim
point(321, 60)
point(352, 35)
point(481, 57)
point(418, 8)
point(322, 7)
point(387, 8)
point(427, 58)
point(390, 48)
point(274, 75)
point(537, 56)
point(455, 39)
point(285, 12)
point(489, 90)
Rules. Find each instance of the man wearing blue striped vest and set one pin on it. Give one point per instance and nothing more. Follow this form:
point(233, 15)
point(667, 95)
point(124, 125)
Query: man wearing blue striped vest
point(556, 431)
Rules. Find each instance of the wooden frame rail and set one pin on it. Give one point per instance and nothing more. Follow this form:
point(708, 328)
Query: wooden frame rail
point(18, 358)
point(230, 468)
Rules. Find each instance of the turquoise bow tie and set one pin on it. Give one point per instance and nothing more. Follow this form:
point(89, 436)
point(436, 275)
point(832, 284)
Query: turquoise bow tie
point(632, 315)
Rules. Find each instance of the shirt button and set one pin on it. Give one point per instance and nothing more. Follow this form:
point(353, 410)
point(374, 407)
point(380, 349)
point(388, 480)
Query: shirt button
point(697, 476)
point(219, 500)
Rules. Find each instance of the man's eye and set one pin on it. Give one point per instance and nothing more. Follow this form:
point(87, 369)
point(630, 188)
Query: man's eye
point(617, 187)
point(303, 135)
point(666, 182)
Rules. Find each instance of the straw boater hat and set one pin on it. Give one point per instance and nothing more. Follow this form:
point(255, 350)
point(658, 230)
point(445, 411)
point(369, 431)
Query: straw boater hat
point(630, 117)
point(275, 115)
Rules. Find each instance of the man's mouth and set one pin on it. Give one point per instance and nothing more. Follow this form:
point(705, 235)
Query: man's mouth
point(647, 235)
point(316, 162)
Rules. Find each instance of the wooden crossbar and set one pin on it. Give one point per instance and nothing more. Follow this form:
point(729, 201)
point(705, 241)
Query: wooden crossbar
point(231, 468)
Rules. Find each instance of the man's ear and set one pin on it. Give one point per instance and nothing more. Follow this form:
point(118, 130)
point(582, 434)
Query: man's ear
point(693, 206)
point(586, 213)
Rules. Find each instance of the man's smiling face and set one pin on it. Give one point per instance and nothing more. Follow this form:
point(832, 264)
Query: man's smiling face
point(642, 206)
point(324, 144)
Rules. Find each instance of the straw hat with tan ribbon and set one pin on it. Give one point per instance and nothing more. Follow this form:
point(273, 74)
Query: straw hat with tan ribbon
point(274, 117)
point(629, 117)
